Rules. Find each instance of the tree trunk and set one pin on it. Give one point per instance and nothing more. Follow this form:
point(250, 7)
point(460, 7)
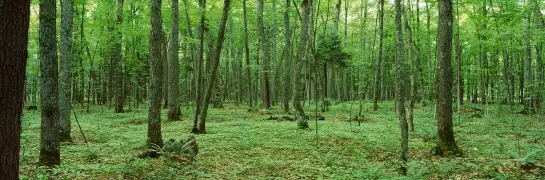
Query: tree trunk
point(13, 59)
point(247, 55)
point(484, 58)
point(528, 95)
point(413, 86)
point(119, 92)
point(399, 89)
point(443, 82)
point(264, 53)
point(67, 20)
point(164, 52)
point(174, 69)
point(156, 64)
point(298, 85)
point(377, 90)
point(430, 68)
point(49, 88)
point(216, 53)
point(287, 58)
point(198, 101)
point(459, 77)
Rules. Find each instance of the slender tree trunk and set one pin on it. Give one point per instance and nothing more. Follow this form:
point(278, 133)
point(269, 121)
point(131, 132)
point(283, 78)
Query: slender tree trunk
point(443, 82)
point(264, 53)
point(287, 57)
point(198, 101)
point(247, 55)
point(119, 92)
point(413, 87)
point(528, 96)
point(459, 79)
point(67, 20)
point(377, 90)
point(13, 59)
point(297, 84)
point(216, 53)
point(156, 64)
point(400, 99)
point(174, 71)
point(484, 58)
point(539, 48)
point(430, 68)
point(164, 51)
point(49, 89)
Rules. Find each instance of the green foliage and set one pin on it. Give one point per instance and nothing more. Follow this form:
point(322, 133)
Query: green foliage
point(241, 144)
point(330, 51)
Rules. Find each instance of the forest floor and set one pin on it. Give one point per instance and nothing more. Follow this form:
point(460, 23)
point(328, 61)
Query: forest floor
point(243, 145)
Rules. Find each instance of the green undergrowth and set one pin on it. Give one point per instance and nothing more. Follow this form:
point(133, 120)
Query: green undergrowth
point(243, 145)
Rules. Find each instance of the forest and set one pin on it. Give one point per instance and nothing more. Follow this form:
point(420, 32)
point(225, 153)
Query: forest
point(272, 89)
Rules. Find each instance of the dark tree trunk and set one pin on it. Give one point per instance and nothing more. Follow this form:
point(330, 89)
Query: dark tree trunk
point(174, 69)
point(156, 64)
point(287, 58)
point(67, 20)
point(264, 54)
point(443, 82)
point(49, 85)
point(118, 74)
point(15, 18)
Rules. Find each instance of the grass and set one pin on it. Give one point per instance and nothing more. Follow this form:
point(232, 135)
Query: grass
point(242, 145)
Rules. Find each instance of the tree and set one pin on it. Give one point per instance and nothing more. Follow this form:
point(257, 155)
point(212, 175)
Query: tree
point(446, 145)
point(67, 21)
point(202, 4)
point(264, 53)
point(247, 56)
point(216, 53)
point(15, 18)
point(287, 57)
point(297, 83)
point(49, 89)
point(400, 101)
point(413, 84)
point(174, 71)
point(376, 95)
point(118, 74)
point(156, 63)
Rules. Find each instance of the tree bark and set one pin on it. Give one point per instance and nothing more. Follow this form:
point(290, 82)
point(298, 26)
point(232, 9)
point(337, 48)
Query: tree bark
point(119, 92)
point(528, 95)
point(247, 55)
point(443, 82)
point(287, 57)
point(198, 101)
point(201, 129)
point(400, 99)
point(164, 52)
point(377, 90)
point(49, 88)
point(15, 18)
point(156, 64)
point(297, 84)
point(264, 54)
point(413, 84)
point(174, 69)
point(67, 21)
